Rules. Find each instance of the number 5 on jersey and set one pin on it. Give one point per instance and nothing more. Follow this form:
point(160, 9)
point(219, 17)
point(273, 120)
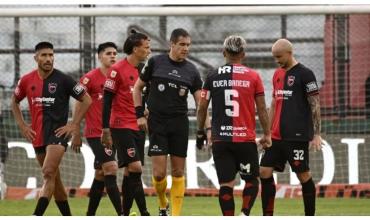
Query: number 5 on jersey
point(229, 102)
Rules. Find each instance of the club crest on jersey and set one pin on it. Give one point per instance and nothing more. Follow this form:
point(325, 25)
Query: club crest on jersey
point(108, 151)
point(131, 152)
point(85, 81)
point(161, 87)
point(291, 80)
point(113, 74)
point(52, 87)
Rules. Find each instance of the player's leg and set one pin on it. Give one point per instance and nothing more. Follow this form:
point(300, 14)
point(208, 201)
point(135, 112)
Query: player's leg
point(178, 184)
point(178, 134)
point(226, 170)
point(110, 181)
point(54, 155)
point(159, 179)
point(60, 194)
point(271, 158)
point(96, 192)
point(247, 158)
point(158, 151)
point(299, 161)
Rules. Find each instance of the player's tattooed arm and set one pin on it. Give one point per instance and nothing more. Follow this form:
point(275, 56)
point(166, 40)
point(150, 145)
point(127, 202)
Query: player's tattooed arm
point(314, 102)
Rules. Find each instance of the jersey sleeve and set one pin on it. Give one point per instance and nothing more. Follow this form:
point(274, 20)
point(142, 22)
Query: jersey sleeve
point(197, 83)
point(20, 90)
point(206, 89)
point(310, 83)
point(113, 81)
point(85, 81)
point(147, 71)
point(74, 89)
point(259, 89)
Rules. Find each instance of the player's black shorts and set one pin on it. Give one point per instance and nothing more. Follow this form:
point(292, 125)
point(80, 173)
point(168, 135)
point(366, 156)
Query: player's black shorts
point(295, 152)
point(231, 158)
point(102, 154)
point(168, 136)
point(42, 149)
point(129, 145)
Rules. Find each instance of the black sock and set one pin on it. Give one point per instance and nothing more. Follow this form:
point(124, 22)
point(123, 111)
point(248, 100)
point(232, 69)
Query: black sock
point(95, 194)
point(250, 192)
point(41, 206)
point(226, 200)
point(268, 191)
point(137, 186)
point(63, 207)
point(309, 197)
point(125, 200)
point(113, 192)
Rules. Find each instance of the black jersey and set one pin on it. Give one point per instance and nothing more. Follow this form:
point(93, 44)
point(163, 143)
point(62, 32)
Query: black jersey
point(48, 101)
point(292, 116)
point(170, 83)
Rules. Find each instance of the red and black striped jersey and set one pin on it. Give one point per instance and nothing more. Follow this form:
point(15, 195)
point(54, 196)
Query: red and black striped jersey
point(232, 89)
point(292, 116)
point(121, 79)
point(48, 101)
point(94, 84)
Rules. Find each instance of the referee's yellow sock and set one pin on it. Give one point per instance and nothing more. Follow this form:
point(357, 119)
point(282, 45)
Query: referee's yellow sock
point(160, 188)
point(177, 194)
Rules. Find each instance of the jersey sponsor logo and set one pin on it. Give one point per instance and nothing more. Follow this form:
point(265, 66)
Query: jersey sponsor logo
point(232, 128)
point(42, 101)
point(108, 151)
point(174, 73)
point(224, 69)
point(131, 152)
point(78, 89)
point(85, 80)
point(290, 81)
point(239, 69)
point(155, 148)
point(172, 85)
point(113, 73)
point(311, 86)
point(52, 87)
point(110, 84)
point(161, 87)
point(285, 94)
point(233, 134)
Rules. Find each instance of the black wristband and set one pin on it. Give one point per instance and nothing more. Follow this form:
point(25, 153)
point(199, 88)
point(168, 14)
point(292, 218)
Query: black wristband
point(139, 111)
point(200, 132)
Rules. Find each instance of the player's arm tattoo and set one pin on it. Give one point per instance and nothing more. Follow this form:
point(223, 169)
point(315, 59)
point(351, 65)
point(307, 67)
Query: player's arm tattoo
point(314, 102)
point(262, 114)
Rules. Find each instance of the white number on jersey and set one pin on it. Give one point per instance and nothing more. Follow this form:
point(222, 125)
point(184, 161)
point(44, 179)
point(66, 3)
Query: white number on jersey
point(234, 111)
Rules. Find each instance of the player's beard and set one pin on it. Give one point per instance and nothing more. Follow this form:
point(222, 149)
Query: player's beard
point(46, 67)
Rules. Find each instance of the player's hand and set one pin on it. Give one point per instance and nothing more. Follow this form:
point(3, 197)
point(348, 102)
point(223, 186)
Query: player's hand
point(106, 138)
point(143, 124)
point(76, 142)
point(67, 130)
point(28, 133)
point(265, 141)
point(316, 143)
point(209, 138)
point(201, 137)
point(146, 113)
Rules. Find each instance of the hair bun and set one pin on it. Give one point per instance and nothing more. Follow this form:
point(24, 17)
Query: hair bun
point(133, 31)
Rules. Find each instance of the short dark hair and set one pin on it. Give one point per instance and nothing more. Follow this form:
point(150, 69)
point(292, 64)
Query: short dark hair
point(133, 40)
point(103, 46)
point(178, 32)
point(43, 45)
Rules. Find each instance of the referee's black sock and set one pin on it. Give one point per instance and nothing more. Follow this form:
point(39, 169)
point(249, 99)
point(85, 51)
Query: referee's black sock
point(63, 207)
point(250, 192)
point(113, 192)
point(226, 200)
point(309, 197)
point(137, 186)
point(41, 206)
point(95, 194)
point(268, 191)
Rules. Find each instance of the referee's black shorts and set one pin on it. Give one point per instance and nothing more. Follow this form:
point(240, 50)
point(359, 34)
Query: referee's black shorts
point(168, 135)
